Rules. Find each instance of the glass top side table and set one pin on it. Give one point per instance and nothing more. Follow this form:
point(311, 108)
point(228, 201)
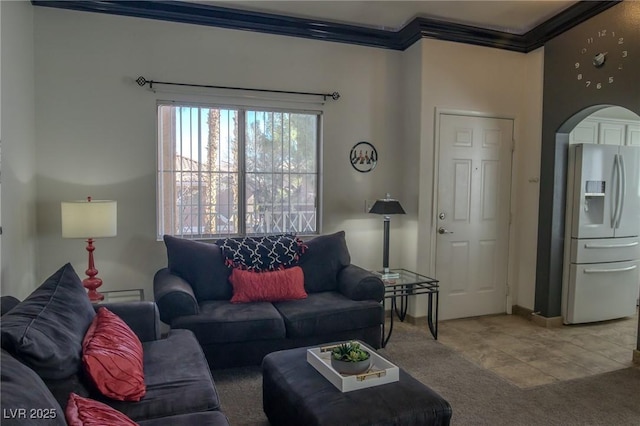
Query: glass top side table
point(132, 295)
point(398, 290)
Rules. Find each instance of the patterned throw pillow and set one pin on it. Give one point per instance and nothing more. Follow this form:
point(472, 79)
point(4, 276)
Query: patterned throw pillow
point(258, 254)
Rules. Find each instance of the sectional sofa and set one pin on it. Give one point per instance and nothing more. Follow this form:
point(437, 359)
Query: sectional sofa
point(42, 361)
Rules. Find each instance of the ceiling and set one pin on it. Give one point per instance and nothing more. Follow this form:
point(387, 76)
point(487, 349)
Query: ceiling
point(511, 16)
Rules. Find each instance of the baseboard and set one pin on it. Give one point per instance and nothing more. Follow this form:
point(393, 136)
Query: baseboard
point(522, 312)
point(636, 356)
point(547, 322)
point(414, 320)
point(525, 313)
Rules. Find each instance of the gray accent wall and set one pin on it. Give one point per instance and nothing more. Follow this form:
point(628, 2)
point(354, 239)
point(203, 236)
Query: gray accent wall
point(566, 102)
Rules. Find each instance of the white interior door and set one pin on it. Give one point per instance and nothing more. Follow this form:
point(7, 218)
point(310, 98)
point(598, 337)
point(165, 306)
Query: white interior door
point(472, 209)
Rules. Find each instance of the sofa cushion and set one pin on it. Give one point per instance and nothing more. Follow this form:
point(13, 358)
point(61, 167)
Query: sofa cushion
point(324, 257)
point(88, 412)
point(22, 389)
point(262, 253)
point(270, 286)
point(201, 265)
point(224, 322)
point(112, 358)
point(209, 418)
point(177, 377)
point(326, 313)
point(45, 331)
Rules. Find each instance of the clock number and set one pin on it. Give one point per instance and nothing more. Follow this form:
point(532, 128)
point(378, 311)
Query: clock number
point(621, 40)
point(590, 40)
point(625, 53)
point(583, 50)
point(602, 33)
point(599, 86)
point(610, 80)
point(588, 83)
point(579, 76)
point(577, 65)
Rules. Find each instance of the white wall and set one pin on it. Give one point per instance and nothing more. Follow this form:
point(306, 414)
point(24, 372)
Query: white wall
point(526, 168)
point(18, 149)
point(95, 128)
point(486, 80)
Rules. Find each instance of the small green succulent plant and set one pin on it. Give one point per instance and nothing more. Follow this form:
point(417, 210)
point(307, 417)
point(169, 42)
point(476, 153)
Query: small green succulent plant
point(350, 352)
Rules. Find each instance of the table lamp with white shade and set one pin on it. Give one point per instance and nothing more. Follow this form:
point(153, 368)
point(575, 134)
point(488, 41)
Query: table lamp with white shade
point(90, 219)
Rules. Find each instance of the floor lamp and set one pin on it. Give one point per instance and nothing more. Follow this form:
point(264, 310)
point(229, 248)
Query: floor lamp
point(90, 219)
point(387, 206)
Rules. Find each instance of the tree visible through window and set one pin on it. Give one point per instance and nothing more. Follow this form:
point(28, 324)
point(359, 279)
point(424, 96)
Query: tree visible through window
point(235, 171)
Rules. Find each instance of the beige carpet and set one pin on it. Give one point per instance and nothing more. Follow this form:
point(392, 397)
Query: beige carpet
point(477, 395)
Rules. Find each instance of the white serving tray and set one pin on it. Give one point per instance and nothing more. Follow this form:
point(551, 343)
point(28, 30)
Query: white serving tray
point(380, 372)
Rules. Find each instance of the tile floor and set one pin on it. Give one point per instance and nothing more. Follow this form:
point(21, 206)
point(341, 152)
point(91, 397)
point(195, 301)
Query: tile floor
point(529, 355)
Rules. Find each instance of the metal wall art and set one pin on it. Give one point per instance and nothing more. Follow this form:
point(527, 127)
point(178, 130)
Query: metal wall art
point(363, 157)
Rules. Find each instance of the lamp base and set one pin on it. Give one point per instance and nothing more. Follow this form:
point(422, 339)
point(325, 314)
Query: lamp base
point(388, 275)
point(91, 284)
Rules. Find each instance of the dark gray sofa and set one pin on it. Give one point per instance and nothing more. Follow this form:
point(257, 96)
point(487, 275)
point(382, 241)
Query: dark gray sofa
point(41, 339)
point(194, 293)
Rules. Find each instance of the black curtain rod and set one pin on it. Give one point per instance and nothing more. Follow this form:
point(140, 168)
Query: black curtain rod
point(143, 81)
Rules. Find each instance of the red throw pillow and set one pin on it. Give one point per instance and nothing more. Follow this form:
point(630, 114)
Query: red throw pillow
point(272, 286)
point(87, 412)
point(112, 357)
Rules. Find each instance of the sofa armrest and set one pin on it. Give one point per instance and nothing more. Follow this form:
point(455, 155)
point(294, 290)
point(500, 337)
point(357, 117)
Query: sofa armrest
point(174, 296)
point(359, 284)
point(141, 317)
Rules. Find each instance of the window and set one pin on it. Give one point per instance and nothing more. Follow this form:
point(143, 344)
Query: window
point(236, 171)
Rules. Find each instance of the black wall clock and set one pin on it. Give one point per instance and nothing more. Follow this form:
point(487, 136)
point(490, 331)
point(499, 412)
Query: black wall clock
point(363, 157)
point(601, 59)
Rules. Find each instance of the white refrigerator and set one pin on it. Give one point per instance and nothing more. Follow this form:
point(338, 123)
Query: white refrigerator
point(601, 274)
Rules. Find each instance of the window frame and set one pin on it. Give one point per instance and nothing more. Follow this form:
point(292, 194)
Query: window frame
point(242, 109)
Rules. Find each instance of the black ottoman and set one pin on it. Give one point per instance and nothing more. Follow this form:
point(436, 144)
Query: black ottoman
point(294, 393)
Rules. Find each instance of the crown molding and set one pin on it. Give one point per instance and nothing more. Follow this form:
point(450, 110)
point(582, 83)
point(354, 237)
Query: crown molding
point(418, 28)
point(567, 19)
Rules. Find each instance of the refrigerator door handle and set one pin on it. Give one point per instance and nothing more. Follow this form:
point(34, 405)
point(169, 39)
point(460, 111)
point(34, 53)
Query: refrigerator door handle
point(615, 199)
point(606, 271)
point(605, 246)
point(623, 188)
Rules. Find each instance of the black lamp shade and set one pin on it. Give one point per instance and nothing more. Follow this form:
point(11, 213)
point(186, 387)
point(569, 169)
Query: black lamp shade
point(387, 206)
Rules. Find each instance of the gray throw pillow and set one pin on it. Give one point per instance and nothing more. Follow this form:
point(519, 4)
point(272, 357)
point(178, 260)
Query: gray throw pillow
point(24, 398)
point(201, 265)
point(45, 330)
point(323, 258)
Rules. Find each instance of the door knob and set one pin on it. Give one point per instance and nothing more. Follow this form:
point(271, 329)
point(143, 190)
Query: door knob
point(441, 230)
